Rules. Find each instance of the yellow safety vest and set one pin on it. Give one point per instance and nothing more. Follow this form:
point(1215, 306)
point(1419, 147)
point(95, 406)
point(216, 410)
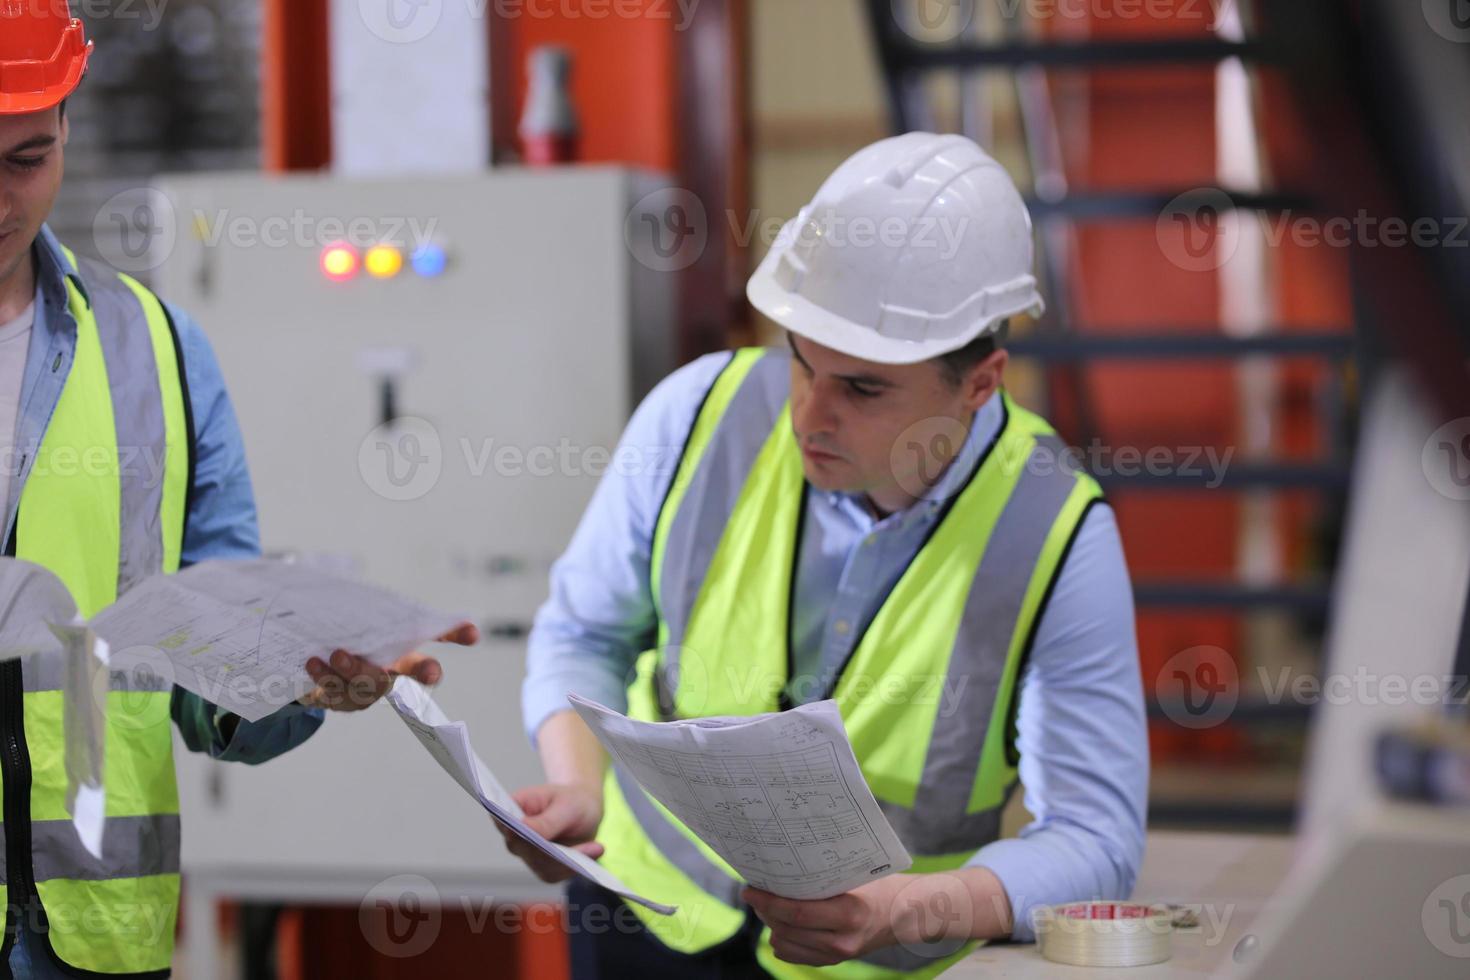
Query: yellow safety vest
point(103, 507)
point(928, 695)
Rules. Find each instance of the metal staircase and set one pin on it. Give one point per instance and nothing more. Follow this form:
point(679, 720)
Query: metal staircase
point(1062, 344)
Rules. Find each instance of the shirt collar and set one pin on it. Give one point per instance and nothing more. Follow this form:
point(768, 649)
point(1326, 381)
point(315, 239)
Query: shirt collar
point(983, 431)
point(53, 269)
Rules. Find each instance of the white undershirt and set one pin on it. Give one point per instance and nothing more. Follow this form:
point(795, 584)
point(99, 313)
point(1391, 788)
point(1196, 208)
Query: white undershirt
point(15, 344)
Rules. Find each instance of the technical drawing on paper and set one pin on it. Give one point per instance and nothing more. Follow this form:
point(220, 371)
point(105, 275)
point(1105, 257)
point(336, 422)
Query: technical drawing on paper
point(240, 633)
point(780, 797)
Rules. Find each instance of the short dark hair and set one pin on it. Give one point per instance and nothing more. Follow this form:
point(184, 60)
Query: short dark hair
point(61, 108)
point(957, 363)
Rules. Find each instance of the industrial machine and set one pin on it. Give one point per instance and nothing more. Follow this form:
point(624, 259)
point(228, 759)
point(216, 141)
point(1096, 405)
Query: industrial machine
point(431, 375)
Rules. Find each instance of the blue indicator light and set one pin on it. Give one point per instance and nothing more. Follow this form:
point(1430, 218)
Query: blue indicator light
point(430, 261)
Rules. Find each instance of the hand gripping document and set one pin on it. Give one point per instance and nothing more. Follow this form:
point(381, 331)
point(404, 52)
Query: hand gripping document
point(449, 743)
point(779, 796)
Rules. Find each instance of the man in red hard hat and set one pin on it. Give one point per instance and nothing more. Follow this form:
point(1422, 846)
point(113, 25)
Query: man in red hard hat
point(94, 367)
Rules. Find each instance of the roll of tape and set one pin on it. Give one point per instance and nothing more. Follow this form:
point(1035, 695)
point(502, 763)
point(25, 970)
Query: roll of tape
point(1105, 933)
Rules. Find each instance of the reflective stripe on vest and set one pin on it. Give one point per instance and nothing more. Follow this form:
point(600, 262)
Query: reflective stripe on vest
point(711, 471)
point(103, 507)
point(939, 662)
point(128, 843)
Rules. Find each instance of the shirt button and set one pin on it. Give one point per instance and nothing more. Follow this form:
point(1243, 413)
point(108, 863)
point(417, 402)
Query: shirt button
point(841, 626)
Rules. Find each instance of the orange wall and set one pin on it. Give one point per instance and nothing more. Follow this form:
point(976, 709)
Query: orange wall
point(1151, 129)
point(1313, 289)
point(1156, 129)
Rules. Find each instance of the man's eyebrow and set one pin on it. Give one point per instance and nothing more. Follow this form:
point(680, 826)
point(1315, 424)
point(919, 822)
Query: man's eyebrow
point(872, 380)
point(34, 143)
point(791, 340)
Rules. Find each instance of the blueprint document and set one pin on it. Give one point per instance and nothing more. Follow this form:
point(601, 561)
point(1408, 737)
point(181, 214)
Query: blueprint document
point(779, 796)
point(239, 633)
point(449, 743)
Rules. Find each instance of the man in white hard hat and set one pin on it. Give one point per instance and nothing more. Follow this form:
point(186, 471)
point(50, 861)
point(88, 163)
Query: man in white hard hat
point(869, 517)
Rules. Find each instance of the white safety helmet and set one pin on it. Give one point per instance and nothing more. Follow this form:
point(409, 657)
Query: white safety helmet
point(914, 247)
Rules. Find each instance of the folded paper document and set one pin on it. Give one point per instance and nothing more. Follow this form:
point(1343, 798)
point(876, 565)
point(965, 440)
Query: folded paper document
point(449, 743)
point(779, 797)
point(237, 633)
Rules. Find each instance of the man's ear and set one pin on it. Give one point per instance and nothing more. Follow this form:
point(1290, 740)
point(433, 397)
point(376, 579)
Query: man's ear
point(984, 379)
point(65, 128)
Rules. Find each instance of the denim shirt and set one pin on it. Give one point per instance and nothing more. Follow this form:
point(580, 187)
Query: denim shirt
point(221, 521)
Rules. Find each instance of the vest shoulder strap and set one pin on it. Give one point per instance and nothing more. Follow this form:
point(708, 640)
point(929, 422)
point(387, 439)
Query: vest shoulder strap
point(731, 425)
point(148, 388)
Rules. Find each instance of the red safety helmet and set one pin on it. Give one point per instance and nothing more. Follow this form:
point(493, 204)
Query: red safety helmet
point(43, 53)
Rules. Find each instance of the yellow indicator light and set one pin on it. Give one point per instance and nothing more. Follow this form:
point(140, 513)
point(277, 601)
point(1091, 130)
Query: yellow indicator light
point(383, 262)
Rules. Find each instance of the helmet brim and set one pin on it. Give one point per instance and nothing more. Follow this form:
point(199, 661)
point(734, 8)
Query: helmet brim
point(24, 103)
point(801, 316)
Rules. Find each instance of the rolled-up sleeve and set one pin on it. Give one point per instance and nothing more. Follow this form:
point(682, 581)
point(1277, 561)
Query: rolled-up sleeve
point(1083, 740)
point(222, 524)
point(600, 613)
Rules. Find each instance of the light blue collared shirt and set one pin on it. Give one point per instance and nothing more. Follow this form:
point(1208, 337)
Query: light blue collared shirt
point(1080, 724)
